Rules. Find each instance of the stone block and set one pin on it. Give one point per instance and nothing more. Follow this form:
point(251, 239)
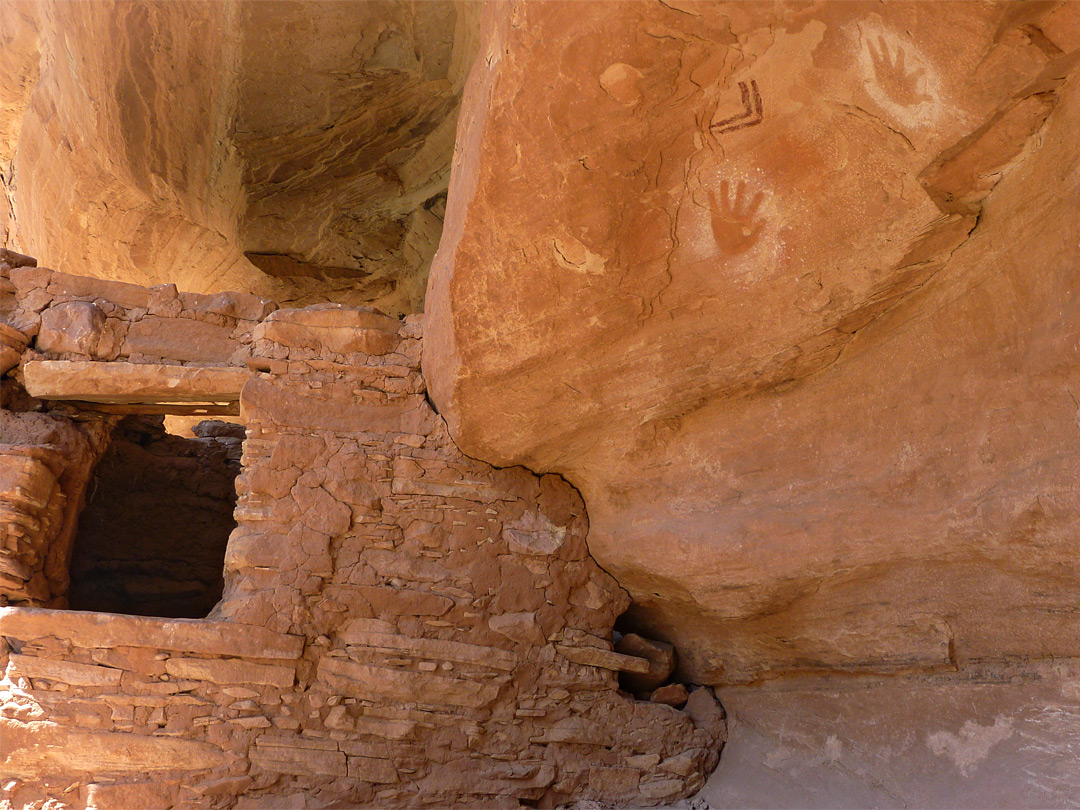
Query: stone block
point(199, 636)
point(180, 339)
point(230, 671)
point(674, 694)
point(13, 259)
point(243, 306)
point(387, 729)
point(661, 658)
point(131, 296)
point(13, 343)
point(36, 748)
point(369, 769)
point(614, 780)
point(76, 326)
point(382, 684)
point(128, 795)
point(605, 659)
point(321, 512)
point(355, 628)
point(662, 788)
point(25, 666)
point(299, 761)
point(489, 778)
point(520, 627)
point(577, 731)
point(25, 481)
point(707, 713)
point(131, 382)
point(344, 330)
point(437, 649)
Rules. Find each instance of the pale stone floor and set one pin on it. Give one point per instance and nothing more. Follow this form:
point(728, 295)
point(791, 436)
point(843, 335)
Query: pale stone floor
point(998, 737)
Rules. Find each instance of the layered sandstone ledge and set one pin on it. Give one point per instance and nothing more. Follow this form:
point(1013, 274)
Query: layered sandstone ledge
point(401, 625)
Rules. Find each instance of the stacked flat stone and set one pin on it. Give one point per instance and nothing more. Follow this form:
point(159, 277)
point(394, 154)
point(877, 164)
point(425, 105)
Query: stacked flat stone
point(401, 625)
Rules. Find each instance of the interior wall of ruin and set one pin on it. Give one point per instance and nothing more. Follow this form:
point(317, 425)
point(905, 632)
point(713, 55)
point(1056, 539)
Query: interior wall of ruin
point(157, 516)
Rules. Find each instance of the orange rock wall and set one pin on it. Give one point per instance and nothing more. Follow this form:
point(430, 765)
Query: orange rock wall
point(789, 293)
point(172, 143)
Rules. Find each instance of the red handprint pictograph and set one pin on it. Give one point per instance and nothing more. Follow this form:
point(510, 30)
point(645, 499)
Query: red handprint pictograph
point(735, 225)
point(892, 74)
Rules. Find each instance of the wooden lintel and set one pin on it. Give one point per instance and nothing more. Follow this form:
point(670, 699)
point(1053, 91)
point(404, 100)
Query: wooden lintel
point(158, 408)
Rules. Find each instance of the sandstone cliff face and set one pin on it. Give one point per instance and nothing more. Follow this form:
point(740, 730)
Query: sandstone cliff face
point(297, 150)
point(790, 294)
point(787, 291)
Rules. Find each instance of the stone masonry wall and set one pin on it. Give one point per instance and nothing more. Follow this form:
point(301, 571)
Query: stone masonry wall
point(401, 626)
point(45, 464)
point(77, 318)
point(48, 451)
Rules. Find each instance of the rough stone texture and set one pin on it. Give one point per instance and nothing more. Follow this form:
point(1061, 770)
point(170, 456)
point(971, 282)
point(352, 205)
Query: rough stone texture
point(300, 150)
point(789, 293)
point(401, 625)
point(45, 464)
point(79, 318)
point(130, 383)
point(788, 290)
point(1003, 737)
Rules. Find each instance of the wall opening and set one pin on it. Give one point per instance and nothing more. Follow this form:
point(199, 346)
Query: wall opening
point(159, 510)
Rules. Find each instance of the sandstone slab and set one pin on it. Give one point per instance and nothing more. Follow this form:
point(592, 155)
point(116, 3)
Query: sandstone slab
point(25, 666)
point(182, 635)
point(125, 383)
point(337, 329)
point(381, 683)
point(32, 749)
point(181, 340)
point(226, 671)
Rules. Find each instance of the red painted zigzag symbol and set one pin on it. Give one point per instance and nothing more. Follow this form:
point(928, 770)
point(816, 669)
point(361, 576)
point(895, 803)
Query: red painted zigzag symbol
point(752, 110)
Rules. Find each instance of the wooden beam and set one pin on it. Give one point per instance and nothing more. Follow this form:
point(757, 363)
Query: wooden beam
point(159, 408)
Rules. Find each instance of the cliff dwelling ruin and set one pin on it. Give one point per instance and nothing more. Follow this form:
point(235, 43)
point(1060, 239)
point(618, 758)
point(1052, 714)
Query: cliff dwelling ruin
point(539, 404)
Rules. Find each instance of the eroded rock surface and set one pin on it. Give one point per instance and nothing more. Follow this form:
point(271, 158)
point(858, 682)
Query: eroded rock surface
point(45, 465)
point(300, 150)
point(990, 737)
point(789, 293)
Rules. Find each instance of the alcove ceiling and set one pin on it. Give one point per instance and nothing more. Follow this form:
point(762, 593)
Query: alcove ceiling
point(299, 150)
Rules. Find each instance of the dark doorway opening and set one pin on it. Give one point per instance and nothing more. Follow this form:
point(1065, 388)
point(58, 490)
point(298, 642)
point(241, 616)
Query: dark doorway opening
point(159, 510)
